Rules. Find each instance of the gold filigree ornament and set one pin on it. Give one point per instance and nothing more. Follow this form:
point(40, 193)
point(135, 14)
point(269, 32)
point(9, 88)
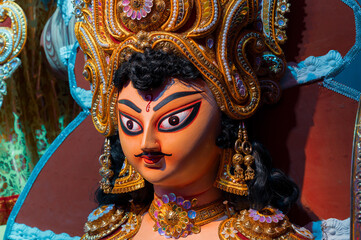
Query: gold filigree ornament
point(108, 219)
point(236, 170)
point(267, 224)
point(239, 65)
point(12, 41)
point(128, 179)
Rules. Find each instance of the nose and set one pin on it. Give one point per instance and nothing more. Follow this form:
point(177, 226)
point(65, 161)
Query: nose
point(150, 141)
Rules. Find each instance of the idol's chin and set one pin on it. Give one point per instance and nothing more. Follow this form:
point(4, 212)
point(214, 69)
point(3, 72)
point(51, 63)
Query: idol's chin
point(154, 163)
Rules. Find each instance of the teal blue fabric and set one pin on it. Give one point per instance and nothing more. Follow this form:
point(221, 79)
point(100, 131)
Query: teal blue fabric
point(82, 97)
point(346, 78)
point(317, 230)
point(24, 232)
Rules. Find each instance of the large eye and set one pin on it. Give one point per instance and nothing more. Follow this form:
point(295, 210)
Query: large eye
point(179, 119)
point(129, 125)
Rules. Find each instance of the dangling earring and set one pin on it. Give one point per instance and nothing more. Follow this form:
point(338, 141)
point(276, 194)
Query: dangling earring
point(128, 179)
point(231, 175)
point(105, 171)
point(246, 148)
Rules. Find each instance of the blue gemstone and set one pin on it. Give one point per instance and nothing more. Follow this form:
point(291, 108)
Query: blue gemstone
point(192, 214)
point(165, 199)
point(189, 227)
point(281, 22)
point(14, 64)
point(241, 87)
point(172, 197)
point(280, 37)
point(160, 231)
point(283, 7)
point(210, 42)
point(180, 201)
point(187, 204)
point(78, 11)
point(259, 26)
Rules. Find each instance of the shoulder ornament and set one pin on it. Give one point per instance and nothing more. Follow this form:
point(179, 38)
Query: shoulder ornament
point(110, 222)
point(267, 224)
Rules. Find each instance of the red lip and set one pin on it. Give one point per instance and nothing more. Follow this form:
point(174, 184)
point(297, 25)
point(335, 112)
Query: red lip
point(151, 159)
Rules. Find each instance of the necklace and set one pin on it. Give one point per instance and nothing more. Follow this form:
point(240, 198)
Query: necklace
point(174, 216)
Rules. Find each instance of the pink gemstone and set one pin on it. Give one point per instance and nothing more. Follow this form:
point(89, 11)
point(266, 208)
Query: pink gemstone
point(143, 12)
point(129, 13)
point(156, 213)
point(275, 219)
point(126, 8)
point(139, 16)
point(148, 4)
point(262, 219)
point(147, 9)
point(268, 219)
point(125, 2)
point(134, 15)
point(159, 203)
point(256, 217)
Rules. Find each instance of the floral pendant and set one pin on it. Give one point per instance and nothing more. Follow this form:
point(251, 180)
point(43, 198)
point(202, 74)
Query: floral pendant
point(174, 217)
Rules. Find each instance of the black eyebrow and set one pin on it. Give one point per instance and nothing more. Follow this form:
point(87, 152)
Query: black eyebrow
point(130, 104)
point(173, 97)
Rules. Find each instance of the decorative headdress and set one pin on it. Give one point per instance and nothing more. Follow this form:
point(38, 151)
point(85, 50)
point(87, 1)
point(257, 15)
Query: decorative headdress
point(233, 43)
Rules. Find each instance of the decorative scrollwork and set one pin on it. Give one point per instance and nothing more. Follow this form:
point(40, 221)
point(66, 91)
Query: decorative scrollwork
point(12, 41)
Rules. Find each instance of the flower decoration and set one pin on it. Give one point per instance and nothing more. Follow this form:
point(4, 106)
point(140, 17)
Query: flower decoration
point(257, 216)
point(128, 227)
point(137, 9)
point(99, 212)
point(229, 232)
point(175, 217)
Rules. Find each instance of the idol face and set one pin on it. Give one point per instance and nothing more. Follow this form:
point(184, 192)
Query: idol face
point(169, 134)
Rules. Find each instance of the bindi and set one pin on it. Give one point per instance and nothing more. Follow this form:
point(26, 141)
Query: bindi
point(148, 97)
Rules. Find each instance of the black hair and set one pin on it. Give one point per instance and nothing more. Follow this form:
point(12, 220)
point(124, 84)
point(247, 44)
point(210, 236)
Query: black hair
point(149, 70)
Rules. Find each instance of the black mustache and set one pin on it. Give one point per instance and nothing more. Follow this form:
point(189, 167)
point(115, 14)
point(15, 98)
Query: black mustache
point(152, 153)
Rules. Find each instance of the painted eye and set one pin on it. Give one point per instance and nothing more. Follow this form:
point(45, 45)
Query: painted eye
point(129, 125)
point(175, 120)
point(179, 119)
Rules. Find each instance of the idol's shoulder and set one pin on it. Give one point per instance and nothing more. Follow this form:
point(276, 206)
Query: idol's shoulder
point(266, 224)
point(110, 222)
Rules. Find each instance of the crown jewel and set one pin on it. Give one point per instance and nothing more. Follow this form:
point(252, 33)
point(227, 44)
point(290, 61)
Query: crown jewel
point(233, 43)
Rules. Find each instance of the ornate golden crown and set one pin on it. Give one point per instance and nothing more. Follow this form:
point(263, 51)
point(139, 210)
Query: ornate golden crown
point(233, 43)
